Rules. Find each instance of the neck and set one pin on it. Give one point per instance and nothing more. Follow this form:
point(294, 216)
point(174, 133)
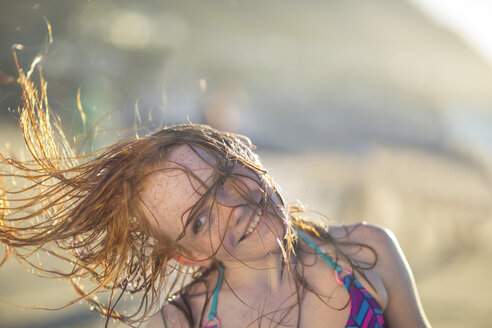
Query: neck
point(265, 274)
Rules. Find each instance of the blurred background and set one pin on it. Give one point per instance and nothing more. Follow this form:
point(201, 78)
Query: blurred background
point(364, 110)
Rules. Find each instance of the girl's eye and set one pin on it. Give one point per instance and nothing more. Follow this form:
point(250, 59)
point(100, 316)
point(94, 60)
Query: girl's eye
point(198, 224)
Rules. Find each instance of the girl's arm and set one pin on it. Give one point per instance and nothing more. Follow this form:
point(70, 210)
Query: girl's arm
point(404, 308)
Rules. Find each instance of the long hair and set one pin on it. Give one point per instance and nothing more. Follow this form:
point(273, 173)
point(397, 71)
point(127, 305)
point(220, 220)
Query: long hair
point(86, 208)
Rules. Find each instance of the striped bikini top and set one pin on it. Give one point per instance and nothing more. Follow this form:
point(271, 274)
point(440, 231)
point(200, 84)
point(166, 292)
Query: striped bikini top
point(365, 311)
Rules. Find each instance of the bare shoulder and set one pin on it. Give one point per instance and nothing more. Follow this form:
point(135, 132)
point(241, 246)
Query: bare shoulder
point(404, 308)
point(382, 245)
point(168, 316)
point(364, 233)
point(388, 256)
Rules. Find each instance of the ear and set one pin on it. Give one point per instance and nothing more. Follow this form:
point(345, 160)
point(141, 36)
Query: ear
point(186, 258)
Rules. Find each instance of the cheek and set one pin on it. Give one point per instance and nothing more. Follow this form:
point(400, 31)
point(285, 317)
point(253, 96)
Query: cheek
point(163, 227)
point(205, 245)
point(216, 237)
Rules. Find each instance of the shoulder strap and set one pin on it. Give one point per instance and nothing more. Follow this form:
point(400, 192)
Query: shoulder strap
point(213, 321)
point(320, 252)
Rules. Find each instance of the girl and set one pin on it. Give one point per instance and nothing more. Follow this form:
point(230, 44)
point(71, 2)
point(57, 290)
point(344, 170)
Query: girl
point(190, 215)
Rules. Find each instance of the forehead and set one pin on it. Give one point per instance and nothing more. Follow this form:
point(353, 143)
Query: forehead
point(193, 157)
point(186, 162)
point(174, 186)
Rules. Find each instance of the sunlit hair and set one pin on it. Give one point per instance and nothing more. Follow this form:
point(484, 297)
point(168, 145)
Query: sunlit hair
point(89, 207)
point(86, 209)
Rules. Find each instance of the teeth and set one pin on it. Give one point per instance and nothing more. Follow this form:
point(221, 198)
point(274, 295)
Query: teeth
point(254, 223)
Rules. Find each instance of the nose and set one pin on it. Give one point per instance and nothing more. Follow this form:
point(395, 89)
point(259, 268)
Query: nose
point(237, 216)
point(239, 198)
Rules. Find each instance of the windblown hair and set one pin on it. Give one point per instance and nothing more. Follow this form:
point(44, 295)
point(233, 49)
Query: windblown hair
point(86, 208)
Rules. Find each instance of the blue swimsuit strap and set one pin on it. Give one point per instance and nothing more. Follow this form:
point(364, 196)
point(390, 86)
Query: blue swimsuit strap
point(320, 252)
point(213, 310)
point(361, 299)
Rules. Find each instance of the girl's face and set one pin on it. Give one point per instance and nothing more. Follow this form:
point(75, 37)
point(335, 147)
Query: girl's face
point(228, 227)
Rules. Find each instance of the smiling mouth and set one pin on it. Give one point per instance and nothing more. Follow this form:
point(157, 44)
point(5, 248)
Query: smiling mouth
point(254, 223)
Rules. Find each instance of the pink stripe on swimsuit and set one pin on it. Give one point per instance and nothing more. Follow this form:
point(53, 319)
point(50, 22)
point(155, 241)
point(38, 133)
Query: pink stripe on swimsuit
point(365, 311)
